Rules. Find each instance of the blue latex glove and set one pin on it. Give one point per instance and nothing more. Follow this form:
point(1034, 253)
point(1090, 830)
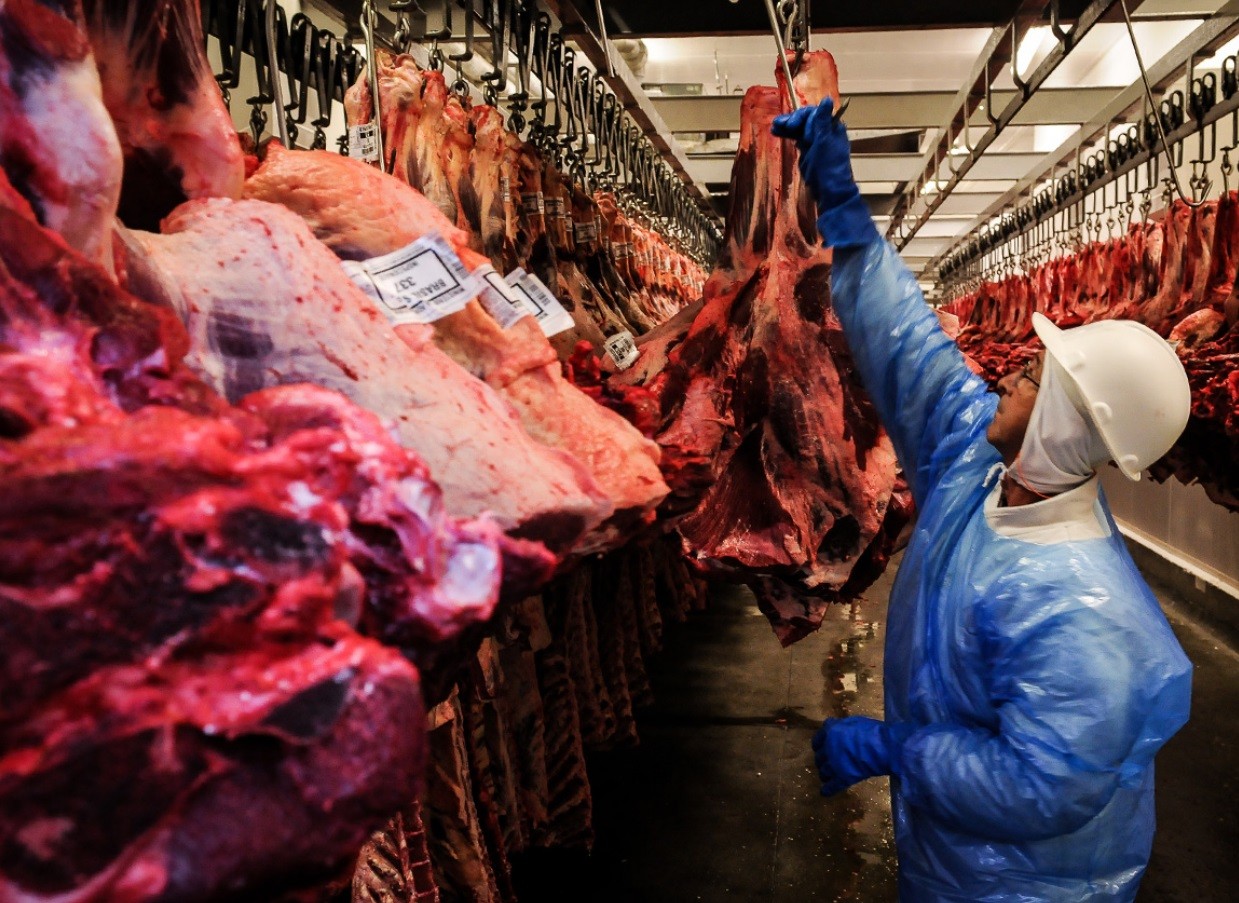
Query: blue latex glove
point(848, 750)
point(826, 166)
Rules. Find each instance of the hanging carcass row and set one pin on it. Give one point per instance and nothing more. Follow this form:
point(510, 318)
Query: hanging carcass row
point(1175, 273)
point(762, 406)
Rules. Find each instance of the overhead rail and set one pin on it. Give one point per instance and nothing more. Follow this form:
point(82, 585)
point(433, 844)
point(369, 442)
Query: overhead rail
point(930, 191)
point(1202, 42)
point(598, 134)
point(1181, 116)
point(633, 99)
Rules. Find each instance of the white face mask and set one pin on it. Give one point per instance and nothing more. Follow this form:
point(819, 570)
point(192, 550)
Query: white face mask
point(1061, 449)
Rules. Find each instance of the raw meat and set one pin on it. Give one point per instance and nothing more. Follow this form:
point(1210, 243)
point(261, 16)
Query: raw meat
point(252, 770)
point(361, 213)
point(178, 583)
point(1176, 275)
point(267, 304)
point(797, 471)
point(57, 145)
point(520, 210)
point(176, 134)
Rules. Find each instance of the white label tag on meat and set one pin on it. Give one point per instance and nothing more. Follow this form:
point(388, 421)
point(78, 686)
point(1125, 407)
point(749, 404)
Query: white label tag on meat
point(586, 232)
point(554, 206)
point(363, 142)
point(505, 189)
point(623, 349)
point(420, 283)
point(502, 302)
point(533, 204)
point(547, 310)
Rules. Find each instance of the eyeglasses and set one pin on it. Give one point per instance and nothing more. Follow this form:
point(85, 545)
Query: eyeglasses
point(1027, 373)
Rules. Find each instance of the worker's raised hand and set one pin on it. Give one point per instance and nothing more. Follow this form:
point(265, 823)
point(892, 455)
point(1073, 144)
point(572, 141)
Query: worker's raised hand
point(826, 167)
point(848, 750)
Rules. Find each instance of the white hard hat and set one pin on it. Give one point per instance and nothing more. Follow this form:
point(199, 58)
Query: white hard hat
point(1130, 384)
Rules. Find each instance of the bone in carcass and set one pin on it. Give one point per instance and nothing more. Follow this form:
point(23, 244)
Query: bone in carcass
point(177, 137)
point(361, 213)
point(798, 471)
point(57, 145)
point(267, 304)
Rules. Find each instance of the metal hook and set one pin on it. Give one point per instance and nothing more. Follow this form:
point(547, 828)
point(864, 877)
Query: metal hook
point(782, 51)
point(368, 20)
point(1176, 106)
point(326, 58)
point(301, 41)
point(460, 86)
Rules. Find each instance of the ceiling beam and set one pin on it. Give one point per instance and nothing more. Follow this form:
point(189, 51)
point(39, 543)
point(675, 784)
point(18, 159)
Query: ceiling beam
point(930, 109)
point(999, 52)
point(1206, 39)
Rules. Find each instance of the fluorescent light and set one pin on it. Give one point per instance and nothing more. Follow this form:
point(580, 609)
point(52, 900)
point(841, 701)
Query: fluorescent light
point(1051, 137)
point(1030, 47)
point(1231, 48)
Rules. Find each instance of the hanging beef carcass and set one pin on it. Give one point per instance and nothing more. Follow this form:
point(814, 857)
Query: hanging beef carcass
point(797, 471)
point(178, 139)
point(57, 144)
point(1176, 274)
point(267, 304)
point(178, 582)
point(362, 213)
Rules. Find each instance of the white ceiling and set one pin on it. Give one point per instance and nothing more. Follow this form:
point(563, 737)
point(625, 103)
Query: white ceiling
point(909, 80)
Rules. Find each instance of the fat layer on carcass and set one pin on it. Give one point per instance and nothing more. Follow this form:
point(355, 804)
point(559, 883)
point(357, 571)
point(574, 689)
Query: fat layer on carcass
point(267, 304)
point(57, 144)
point(361, 213)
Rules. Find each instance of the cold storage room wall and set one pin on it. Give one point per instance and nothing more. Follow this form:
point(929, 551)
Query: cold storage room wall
point(1181, 536)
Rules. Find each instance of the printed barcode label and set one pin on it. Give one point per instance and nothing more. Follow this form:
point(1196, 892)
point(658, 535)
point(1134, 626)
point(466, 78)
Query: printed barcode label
point(533, 204)
point(547, 310)
point(555, 206)
point(422, 282)
point(499, 299)
point(622, 249)
point(623, 349)
point(505, 188)
point(363, 142)
point(586, 232)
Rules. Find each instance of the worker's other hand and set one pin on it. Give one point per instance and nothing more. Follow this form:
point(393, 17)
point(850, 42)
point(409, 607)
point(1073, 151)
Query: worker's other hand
point(826, 167)
point(848, 750)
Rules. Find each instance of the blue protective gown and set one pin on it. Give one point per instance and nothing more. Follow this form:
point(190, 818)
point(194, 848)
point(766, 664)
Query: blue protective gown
point(1041, 678)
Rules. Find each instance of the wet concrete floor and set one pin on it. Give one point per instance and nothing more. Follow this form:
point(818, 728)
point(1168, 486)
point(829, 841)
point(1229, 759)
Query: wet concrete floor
point(720, 801)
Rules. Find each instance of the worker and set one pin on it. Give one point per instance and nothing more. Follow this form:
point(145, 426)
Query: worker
point(1030, 675)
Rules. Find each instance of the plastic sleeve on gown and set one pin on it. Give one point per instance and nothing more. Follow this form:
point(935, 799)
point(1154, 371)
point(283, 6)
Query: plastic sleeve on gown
point(1083, 699)
point(915, 373)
